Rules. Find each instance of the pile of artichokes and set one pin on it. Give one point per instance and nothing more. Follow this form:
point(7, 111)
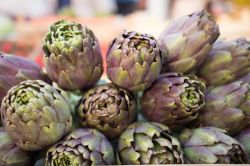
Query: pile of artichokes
point(181, 98)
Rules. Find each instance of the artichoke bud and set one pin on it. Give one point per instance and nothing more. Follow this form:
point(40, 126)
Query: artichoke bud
point(133, 61)
point(10, 154)
point(81, 147)
point(107, 108)
point(210, 145)
point(36, 115)
point(72, 55)
point(186, 42)
point(222, 64)
point(148, 143)
point(174, 100)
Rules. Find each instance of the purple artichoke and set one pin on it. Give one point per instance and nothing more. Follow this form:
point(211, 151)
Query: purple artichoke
point(14, 69)
point(210, 145)
point(227, 62)
point(72, 55)
point(81, 147)
point(174, 100)
point(187, 41)
point(133, 61)
point(227, 107)
point(107, 108)
point(10, 154)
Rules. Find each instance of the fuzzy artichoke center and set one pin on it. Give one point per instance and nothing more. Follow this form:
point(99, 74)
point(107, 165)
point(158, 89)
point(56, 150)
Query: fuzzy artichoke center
point(66, 160)
point(22, 98)
point(190, 97)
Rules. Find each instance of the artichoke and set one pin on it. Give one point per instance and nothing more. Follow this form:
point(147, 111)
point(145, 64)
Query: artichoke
point(10, 154)
point(210, 145)
point(72, 55)
point(227, 107)
point(186, 42)
point(14, 69)
point(107, 108)
point(148, 143)
point(133, 61)
point(81, 147)
point(35, 114)
point(174, 100)
point(244, 138)
point(228, 61)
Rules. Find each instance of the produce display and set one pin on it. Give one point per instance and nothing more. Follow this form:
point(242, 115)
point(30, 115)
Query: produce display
point(183, 98)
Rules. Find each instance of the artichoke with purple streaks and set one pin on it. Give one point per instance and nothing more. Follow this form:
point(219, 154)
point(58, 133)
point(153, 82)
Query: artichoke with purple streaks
point(210, 145)
point(72, 55)
point(227, 107)
point(148, 143)
point(14, 69)
point(174, 100)
point(36, 115)
point(81, 147)
point(227, 62)
point(133, 61)
point(186, 42)
point(107, 108)
point(10, 154)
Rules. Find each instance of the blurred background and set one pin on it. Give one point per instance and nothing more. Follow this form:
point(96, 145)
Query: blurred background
point(23, 23)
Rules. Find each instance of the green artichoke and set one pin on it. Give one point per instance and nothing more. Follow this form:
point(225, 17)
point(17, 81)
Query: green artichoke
point(186, 42)
point(133, 61)
point(228, 61)
point(227, 107)
point(10, 154)
point(107, 108)
point(36, 115)
point(244, 138)
point(72, 55)
point(81, 147)
point(210, 145)
point(14, 69)
point(174, 100)
point(148, 143)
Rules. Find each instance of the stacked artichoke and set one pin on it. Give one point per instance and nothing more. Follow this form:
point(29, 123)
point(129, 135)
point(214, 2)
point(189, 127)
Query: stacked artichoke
point(184, 98)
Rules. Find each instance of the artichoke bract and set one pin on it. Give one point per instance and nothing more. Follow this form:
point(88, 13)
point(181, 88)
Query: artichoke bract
point(35, 114)
point(244, 138)
point(210, 145)
point(227, 62)
point(72, 55)
point(174, 100)
point(81, 147)
point(14, 69)
point(148, 143)
point(133, 61)
point(107, 108)
point(227, 107)
point(10, 154)
point(186, 42)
